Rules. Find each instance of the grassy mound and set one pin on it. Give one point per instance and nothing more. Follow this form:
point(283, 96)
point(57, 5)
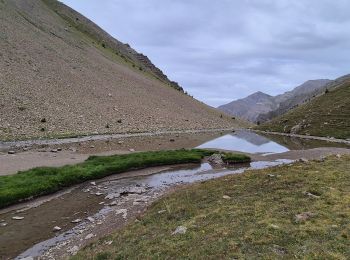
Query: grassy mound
point(298, 211)
point(232, 158)
point(45, 180)
point(326, 115)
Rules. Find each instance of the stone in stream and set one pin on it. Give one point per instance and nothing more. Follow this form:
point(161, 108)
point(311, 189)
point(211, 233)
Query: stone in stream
point(180, 230)
point(17, 218)
point(216, 159)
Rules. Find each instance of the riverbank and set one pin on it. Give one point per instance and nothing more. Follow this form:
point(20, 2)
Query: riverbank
point(298, 210)
point(320, 138)
point(46, 180)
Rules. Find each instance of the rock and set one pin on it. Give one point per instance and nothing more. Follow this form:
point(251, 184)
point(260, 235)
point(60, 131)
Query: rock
point(3, 224)
point(98, 193)
point(17, 218)
point(92, 146)
point(172, 140)
point(303, 160)
point(73, 251)
point(113, 203)
point(295, 129)
point(311, 195)
point(11, 152)
point(226, 197)
point(56, 228)
point(119, 121)
point(89, 236)
point(180, 230)
point(93, 183)
point(132, 150)
point(108, 243)
point(279, 250)
point(76, 220)
point(120, 142)
point(109, 94)
point(216, 159)
point(304, 216)
point(112, 196)
point(91, 219)
point(25, 149)
point(338, 156)
point(274, 226)
point(271, 175)
point(54, 151)
point(162, 211)
point(122, 211)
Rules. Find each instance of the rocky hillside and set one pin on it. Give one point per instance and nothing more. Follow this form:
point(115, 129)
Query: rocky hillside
point(260, 107)
point(62, 75)
point(325, 115)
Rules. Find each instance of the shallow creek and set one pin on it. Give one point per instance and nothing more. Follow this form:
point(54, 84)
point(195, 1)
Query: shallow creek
point(84, 212)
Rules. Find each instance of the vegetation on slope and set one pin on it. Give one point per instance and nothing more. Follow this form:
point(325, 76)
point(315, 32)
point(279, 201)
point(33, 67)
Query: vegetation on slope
point(291, 211)
point(45, 180)
point(326, 115)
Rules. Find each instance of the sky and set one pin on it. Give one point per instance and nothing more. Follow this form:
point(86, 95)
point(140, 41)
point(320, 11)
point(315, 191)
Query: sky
point(224, 50)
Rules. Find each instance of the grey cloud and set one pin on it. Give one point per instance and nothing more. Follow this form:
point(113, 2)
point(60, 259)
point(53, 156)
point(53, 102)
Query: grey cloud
point(224, 50)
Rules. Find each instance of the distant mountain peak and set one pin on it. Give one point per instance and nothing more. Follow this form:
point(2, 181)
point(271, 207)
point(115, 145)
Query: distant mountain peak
point(259, 105)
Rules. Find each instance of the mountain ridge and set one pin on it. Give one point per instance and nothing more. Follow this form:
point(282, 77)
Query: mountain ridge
point(260, 107)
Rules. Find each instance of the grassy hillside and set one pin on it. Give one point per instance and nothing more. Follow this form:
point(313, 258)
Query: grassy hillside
point(289, 212)
point(326, 115)
point(62, 75)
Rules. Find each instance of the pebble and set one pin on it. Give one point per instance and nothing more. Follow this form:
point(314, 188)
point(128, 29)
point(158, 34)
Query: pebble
point(54, 151)
point(57, 228)
point(93, 183)
point(122, 211)
point(11, 152)
point(120, 142)
point(17, 218)
point(132, 150)
point(161, 211)
point(98, 193)
point(226, 197)
point(180, 230)
point(3, 224)
point(92, 146)
point(89, 236)
point(76, 220)
point(108, 242)
point(91, 219)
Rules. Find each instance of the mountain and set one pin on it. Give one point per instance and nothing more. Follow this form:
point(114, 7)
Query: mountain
point(250, 107)
point(297, 96)
point(325, 115)
point(260, 107)
point(62, 75)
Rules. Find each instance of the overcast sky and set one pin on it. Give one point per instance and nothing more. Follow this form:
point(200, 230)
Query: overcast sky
point(227, 49)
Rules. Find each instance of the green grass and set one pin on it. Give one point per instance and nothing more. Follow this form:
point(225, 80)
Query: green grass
point(45, 180)
point(235, 158)
point(257, 221)
point(326, 115)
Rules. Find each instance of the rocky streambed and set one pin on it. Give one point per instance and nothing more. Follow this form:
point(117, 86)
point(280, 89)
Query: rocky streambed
point(57, 226)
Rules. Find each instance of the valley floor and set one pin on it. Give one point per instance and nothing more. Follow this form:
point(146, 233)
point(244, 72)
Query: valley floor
point(291, 211)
